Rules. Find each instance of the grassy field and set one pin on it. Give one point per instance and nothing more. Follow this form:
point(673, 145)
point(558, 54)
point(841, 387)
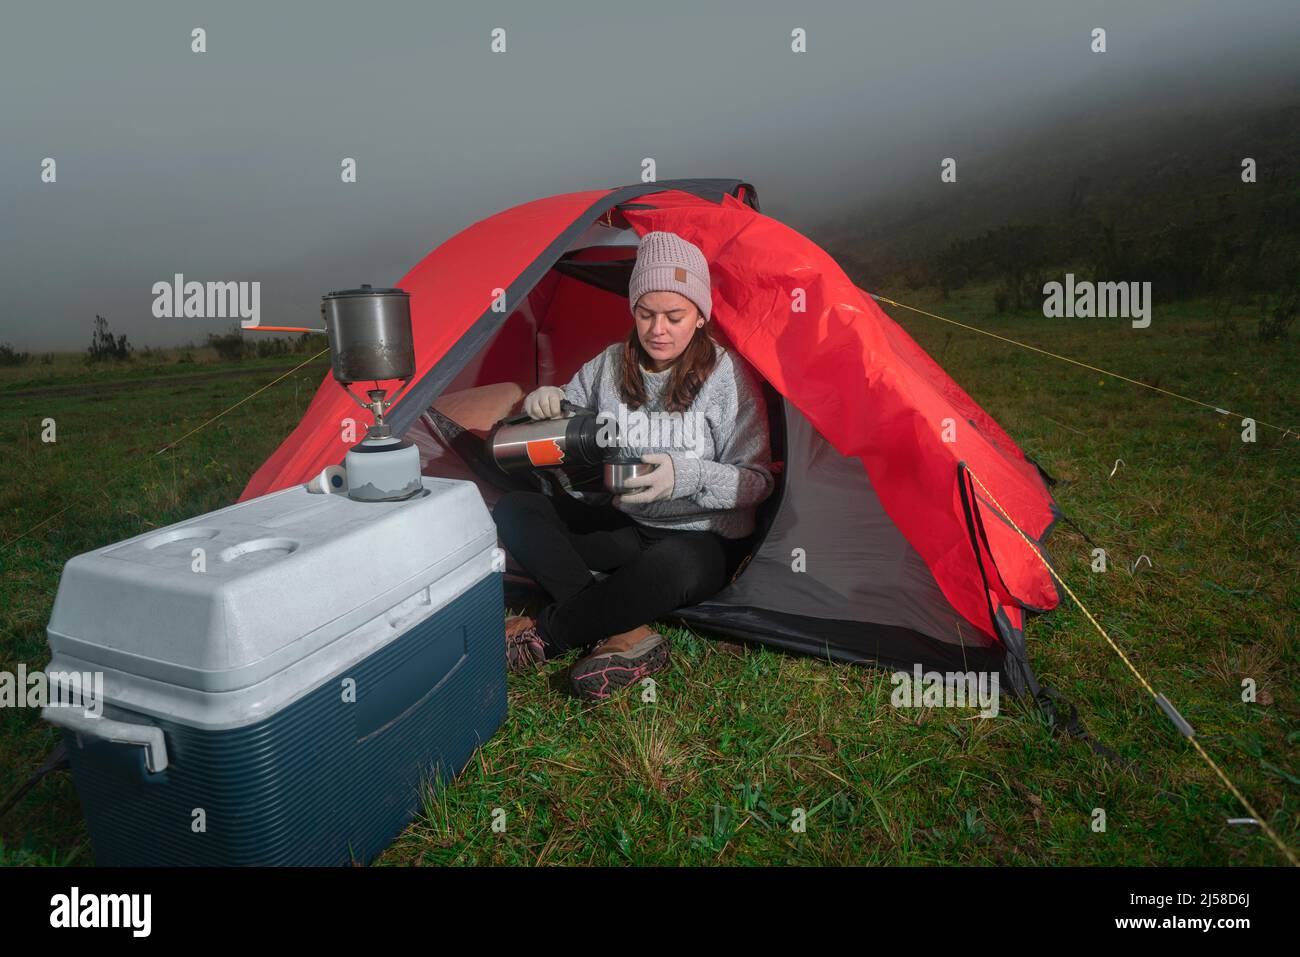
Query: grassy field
point(711, 771)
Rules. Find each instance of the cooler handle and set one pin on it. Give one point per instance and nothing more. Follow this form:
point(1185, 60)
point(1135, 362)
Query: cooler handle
point(148, 736)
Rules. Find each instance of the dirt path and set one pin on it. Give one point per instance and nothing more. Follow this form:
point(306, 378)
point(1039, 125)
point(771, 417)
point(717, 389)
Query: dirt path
point(103, 388)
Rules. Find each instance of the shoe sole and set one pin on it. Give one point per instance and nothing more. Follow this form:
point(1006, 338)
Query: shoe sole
point(596, 678)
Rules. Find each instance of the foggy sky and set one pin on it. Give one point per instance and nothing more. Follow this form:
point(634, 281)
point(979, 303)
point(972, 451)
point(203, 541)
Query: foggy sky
point(225, 165)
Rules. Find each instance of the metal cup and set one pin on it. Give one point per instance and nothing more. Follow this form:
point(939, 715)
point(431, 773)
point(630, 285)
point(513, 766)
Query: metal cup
point(618, 471)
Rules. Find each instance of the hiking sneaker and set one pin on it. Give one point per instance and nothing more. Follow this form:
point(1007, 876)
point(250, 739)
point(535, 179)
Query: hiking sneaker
point(524, 648)
point(601, 673)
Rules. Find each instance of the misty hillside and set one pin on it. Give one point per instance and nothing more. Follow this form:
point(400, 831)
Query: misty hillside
point(1157, 198)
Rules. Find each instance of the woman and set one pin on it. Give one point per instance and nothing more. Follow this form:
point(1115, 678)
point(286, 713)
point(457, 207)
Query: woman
point(693, 410)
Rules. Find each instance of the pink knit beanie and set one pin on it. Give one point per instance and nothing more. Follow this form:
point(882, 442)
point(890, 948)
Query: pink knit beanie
point(667, 263)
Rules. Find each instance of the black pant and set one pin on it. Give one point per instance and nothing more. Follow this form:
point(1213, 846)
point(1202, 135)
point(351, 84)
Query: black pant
point(559, 540)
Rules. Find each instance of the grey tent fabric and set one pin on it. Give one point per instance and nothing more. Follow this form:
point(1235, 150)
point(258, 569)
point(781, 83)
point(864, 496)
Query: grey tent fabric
point(858, 566)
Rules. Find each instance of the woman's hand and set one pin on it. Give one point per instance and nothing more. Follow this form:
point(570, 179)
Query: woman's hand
point(544, 403)
point(653, 486)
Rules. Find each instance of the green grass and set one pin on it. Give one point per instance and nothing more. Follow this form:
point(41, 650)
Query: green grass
point(68, 369)
point(737, 739)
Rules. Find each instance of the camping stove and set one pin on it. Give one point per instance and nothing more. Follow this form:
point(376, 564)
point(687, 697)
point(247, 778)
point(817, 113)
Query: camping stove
point(370, 341)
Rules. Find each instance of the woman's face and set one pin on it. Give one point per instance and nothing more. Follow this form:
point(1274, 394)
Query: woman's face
point(665, 323)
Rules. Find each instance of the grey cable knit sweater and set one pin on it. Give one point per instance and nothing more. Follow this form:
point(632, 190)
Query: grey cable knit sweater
point(720, 446)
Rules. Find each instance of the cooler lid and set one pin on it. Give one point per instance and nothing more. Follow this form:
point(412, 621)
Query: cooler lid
point(223, 600)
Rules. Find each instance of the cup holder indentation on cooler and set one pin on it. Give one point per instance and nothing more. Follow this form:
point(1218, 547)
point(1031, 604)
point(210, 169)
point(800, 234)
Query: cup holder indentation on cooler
point(193, 533)
point(264, 549)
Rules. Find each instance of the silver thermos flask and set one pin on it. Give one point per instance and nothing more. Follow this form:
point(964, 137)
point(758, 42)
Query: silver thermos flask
point(521, 443)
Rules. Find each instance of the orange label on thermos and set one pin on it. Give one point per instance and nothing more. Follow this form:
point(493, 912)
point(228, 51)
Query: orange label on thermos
point(545, 452)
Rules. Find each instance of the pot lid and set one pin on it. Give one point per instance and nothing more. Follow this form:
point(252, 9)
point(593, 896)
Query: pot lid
point(365, 290)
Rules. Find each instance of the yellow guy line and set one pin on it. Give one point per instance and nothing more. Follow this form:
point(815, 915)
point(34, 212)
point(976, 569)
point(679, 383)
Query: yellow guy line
point(1116, 375)
point(1184, 728)
point(171, 445)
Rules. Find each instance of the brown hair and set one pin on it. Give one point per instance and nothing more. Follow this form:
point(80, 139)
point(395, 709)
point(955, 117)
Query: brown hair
point(689, 371)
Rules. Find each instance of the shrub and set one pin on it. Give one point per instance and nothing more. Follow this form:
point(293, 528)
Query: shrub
point(230, 346)
point(272, 347)
point(9, 356)
point(1278, 315)
point(104, 345)
point(310, 342)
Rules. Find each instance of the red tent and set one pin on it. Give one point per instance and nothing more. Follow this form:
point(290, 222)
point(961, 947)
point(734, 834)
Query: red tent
point(908, 561)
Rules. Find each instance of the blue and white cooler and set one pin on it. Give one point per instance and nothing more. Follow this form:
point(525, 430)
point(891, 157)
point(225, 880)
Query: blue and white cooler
point(281, 677)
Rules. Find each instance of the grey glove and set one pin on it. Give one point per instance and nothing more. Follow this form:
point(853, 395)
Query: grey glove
point(544, 403)
point(653, 486)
